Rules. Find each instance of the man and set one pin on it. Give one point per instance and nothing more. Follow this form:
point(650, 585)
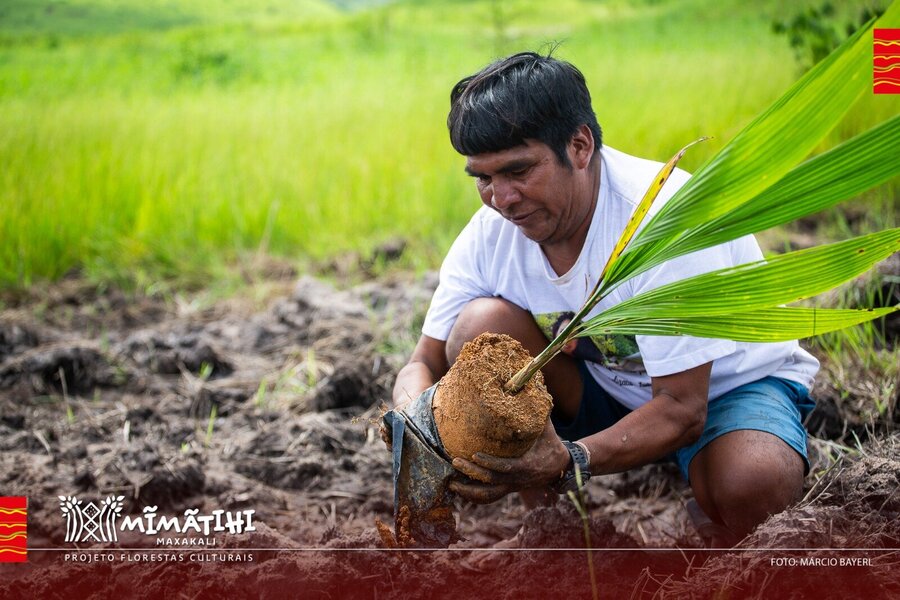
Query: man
point(555, 202)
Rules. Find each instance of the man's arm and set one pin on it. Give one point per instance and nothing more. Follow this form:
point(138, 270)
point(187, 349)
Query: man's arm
point(672, 419)
point(426, 366)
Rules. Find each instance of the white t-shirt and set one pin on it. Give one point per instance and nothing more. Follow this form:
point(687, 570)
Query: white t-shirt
point(491, 257)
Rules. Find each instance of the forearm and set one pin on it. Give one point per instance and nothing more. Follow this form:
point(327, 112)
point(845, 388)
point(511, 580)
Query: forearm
point(412, 380)
point(427, 364)
point(654, 430)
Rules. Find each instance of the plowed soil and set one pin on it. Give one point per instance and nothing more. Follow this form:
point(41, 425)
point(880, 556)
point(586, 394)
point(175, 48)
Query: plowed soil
point(270, 401)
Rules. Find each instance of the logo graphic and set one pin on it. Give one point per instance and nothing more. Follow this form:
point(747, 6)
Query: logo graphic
point(13, 529)
point(99, 522)
point(886, 67)
point(89, 522)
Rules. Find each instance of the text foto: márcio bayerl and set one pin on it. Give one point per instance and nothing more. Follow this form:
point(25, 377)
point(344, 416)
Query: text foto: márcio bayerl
point(821, 561)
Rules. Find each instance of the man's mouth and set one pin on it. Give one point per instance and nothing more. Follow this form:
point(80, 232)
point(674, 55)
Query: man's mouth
point(521, 219)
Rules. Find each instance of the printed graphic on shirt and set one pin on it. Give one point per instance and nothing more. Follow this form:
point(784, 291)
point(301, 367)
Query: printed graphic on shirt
point(618, 352)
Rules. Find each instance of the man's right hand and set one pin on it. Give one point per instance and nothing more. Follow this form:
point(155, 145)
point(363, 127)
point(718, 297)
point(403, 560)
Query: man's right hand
point(489, 478)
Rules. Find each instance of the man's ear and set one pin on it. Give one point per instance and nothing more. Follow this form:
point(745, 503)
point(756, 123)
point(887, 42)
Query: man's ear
point(581, 147)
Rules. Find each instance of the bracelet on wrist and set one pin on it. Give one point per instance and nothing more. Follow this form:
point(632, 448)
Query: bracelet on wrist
point(587, 452)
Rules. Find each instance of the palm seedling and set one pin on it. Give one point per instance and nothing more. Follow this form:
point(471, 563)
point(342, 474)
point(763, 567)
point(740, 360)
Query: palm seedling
point(753, 183)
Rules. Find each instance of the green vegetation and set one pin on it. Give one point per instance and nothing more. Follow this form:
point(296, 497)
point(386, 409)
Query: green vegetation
point(814, 32)
point(579, 500)
point(210, 425)
point(167, 139)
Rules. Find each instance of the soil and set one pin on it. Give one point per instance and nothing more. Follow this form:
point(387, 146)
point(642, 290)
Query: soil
point(269, 402)
point(500, 423)
point(855, 505)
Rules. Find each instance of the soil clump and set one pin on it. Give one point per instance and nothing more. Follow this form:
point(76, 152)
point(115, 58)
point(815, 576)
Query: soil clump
point(474, 413)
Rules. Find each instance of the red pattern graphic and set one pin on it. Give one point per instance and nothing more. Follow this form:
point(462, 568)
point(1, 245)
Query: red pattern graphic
point(13, 529)
point(886, 61)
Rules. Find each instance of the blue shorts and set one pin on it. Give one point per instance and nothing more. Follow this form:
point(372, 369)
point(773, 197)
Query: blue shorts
point(772, 404)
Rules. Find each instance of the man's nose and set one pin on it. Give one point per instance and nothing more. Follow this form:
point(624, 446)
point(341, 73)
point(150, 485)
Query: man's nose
point(504, 195)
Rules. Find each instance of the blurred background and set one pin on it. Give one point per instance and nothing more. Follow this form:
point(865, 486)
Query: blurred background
point(176, 143)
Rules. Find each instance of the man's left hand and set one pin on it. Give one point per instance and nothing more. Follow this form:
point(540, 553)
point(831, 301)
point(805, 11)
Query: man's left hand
point(489, 478)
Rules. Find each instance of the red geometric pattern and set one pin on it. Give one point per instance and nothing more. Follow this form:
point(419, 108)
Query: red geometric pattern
point(886, 67)
point(13, 528)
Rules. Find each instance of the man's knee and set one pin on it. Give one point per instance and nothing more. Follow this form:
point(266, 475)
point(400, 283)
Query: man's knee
point(487, 314)
point(744, 487)
point(748, 498)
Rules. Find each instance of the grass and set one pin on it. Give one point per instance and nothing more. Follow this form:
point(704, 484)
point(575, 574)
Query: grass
point(861, 365)
point(579, 500)
point(167, 140)
point(292, 384)
point(37, 18)
point(210, 425)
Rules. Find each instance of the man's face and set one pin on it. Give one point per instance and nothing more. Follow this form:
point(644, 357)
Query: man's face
point(529, 187)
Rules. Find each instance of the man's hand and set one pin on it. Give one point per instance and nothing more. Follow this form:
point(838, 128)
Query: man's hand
point(489, 478)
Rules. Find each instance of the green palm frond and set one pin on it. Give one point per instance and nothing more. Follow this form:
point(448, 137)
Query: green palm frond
point(855, 166)
point(752, 184)
point(642, 209)
point(758, 157)
point(762, 284)
point(766, 325)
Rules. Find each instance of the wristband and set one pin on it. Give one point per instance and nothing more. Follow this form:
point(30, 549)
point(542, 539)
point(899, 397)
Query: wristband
point(568, 482)
point(587, 452)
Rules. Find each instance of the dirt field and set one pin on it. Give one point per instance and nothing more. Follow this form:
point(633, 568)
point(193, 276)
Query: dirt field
point(270, 402)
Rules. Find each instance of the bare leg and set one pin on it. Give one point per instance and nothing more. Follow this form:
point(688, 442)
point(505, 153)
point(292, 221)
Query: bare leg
point(742, 477)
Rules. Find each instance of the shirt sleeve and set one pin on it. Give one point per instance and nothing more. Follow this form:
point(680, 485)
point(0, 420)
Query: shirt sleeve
point(667, 355)
point(461, 280)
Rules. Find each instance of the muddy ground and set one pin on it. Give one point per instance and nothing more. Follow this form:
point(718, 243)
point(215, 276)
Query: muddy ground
point(269, 401)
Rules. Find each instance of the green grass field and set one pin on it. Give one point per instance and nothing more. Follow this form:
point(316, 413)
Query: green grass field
point(168, 139)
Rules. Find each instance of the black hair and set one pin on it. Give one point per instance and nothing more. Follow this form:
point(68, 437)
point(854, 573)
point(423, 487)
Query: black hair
point(523, 96)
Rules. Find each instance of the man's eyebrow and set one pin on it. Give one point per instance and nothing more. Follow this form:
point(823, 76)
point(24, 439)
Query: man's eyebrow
point(510, 167)
point(516, 165)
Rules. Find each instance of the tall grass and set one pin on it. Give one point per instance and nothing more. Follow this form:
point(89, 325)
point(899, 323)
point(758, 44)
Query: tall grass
point(170, 146)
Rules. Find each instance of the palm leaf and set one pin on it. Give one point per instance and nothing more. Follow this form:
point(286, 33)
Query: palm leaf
point(760, 155)
point(855, 166)
point(642, 209)
point(766, 325)
point(783, 279)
